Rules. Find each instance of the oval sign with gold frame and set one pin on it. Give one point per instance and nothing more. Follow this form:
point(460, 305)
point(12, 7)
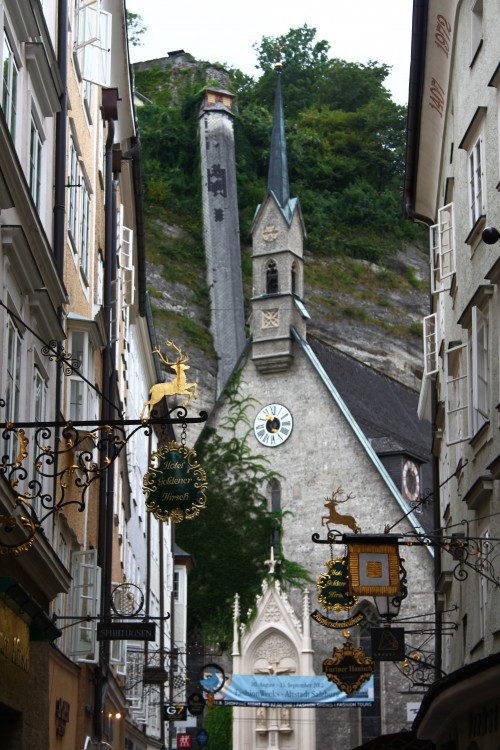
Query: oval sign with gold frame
point(175, 484)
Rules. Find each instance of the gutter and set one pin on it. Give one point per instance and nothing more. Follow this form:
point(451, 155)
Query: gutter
point(415, 98)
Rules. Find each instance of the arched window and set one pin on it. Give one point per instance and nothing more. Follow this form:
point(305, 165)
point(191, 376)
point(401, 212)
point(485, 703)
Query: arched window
point(294, 278)
point(275, 496)
point(271, 278)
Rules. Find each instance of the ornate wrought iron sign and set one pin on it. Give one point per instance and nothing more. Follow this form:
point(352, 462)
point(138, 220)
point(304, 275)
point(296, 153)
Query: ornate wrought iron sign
point(175, 484)
point(349, 667)
point(333, 587)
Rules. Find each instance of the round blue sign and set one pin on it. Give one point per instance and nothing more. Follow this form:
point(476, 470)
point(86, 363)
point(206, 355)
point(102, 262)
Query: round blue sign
point(202, 737)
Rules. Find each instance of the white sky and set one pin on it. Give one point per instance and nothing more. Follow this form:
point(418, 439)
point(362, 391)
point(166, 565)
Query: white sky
point(224, 31)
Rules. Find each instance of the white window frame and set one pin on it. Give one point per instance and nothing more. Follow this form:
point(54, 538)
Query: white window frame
point(457, 394)
point(85, 232)
point(476, 180)
point(442, 249)
point(480, 369)
point(74, 184)
point(35, 162)
point(81, 401)
point(13, 372)
point(431, 344)
point(85, 596)
point(93, 41)
point(10, 82)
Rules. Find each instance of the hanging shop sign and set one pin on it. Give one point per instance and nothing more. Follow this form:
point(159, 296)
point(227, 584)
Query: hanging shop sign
point(388, 644)
point(374, 567)
point(174, 712)
point(154, 675)
point(196, 703)
point(126, 631)
point(175, 484)
point(333, 587)
point(348, 667)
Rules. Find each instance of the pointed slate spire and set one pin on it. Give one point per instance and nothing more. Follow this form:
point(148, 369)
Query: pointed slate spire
point(277, 180)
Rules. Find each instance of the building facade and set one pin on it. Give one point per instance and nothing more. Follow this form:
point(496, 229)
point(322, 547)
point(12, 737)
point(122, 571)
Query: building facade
point(452, 186)
point(80, 554)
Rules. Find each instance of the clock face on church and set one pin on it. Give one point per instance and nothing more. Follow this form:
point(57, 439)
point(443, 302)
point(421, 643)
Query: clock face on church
point(273, 425)
point(411, 481)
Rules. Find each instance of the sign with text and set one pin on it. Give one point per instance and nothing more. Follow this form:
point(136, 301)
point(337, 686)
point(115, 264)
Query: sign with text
point(388, 644)
point(126, 631)
point(288, 690)
point(173, 712)
point(183, 740)
point(175, 484)
point(349, 667)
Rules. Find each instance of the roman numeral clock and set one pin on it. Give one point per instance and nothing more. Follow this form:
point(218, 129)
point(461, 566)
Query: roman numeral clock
point(273, 425)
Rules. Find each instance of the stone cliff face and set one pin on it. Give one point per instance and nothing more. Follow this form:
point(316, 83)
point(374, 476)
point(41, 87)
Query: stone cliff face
point(372, 313)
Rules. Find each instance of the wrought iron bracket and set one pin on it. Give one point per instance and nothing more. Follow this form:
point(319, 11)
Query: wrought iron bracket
point(66, 459)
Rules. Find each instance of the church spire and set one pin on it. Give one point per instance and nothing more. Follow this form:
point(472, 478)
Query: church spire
point(277, 180)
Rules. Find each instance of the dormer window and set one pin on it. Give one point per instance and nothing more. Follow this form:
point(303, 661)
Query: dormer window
point(272, 278)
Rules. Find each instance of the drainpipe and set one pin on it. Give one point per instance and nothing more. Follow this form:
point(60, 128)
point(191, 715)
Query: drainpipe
point(106, 487)
point(61, 137)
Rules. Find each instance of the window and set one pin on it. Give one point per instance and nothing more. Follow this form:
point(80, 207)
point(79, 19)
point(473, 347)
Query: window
point(73, 176)
point(13, 385)
point(480, 369)
point(93, 41)
point(81, 400)
point(294, 278)
point(457, 394)
point(271, 277)
point(176, 585)
point(275, 497)
point(35, 173)
point(430, 344)
point(85, 233)
point(467, 375)
point(442, 246)
point(476, 181)
point(9, 92)
point(85, 594)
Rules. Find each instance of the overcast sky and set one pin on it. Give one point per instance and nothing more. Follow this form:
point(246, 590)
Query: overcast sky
point(224, 32)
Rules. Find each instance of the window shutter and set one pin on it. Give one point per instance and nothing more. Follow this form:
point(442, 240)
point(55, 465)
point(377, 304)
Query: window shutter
point(126, 247)
point(430, 344)
point(442, 249)
point(446, 241)
point(434, 257)
point(85, 594)
point(457, 389)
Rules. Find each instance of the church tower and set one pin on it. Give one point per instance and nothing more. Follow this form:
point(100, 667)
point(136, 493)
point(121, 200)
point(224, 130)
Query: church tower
point(278, 234)
point(221, 230)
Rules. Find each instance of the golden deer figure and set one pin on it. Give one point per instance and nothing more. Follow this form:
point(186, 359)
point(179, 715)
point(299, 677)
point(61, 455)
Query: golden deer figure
point(176, 386)
point(336, 517)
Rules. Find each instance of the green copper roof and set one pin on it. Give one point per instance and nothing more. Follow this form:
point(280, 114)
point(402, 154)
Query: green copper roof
point(277, 179)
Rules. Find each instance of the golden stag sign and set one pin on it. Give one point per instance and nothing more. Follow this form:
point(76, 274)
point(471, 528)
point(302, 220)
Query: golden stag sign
point(338, 518)
point(176, 386)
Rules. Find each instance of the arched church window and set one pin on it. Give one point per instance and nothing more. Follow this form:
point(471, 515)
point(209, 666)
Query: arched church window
point(271, 277)
point(294, 278)
point(275, 496)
